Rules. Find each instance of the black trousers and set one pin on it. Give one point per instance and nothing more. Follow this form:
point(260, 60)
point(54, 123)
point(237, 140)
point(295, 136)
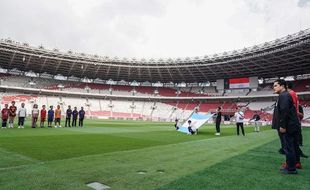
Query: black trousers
point(281, 137)
point(74, 122)
point(217, 126)
point(68, 120)
point(4, 122)
point(291, 146)
point(81, 122)
point(240, 125)
point(21, 121)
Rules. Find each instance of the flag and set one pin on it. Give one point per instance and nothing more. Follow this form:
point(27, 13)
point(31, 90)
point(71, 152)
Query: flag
point(239, 83)
point(197, 119)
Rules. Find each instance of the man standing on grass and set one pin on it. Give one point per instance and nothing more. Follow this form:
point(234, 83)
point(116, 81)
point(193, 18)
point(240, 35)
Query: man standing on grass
point(22, 113)
point(81, 117)
point(68, 117)
point(256, 119)
point(286, 122)
point(239, 115)
point(300, 116)
point(218, 121)
point(75, 114)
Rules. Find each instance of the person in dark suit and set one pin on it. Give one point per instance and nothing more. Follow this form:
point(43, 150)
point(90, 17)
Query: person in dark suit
point(286, 122)
point(218, 121)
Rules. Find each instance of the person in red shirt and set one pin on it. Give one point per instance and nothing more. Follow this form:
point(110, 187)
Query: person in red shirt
point(300, 116)
point(43, 116)
point(12, 114)
point(5, 115)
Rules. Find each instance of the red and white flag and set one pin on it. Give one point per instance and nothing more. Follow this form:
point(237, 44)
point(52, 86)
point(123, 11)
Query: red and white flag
point(239, 83)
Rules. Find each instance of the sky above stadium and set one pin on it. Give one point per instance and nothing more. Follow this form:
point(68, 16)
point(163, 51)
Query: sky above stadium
point(151, 28)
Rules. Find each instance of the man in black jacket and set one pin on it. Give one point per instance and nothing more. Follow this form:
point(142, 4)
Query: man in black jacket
point(68, 116)
point(286, 122)
point(218, 121)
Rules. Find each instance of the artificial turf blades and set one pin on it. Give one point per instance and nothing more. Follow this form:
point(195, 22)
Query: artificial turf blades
point(113, 152)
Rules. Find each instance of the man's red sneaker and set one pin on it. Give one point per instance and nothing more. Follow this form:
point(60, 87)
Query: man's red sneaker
point(298, 165)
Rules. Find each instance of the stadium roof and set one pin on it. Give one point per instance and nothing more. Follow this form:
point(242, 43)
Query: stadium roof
point(288, 56)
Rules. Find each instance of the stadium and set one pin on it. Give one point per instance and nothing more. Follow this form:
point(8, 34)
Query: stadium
point(129, 141)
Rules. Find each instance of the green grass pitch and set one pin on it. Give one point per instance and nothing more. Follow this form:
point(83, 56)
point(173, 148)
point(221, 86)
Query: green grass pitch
point(114, 152)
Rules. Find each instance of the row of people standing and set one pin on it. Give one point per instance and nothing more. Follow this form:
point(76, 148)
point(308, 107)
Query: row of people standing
point(9, 114)
point(74, 114)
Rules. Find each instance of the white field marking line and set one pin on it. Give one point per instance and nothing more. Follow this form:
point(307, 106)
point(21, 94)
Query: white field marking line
point(113, 131)
point(20, 166)
point(18, 155)
point(97, 186)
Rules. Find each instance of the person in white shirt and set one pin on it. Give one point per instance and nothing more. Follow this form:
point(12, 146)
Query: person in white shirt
point(22, 113)
point(239, 115)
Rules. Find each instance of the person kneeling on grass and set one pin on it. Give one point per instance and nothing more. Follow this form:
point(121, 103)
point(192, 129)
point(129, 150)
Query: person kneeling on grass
point(192, 130)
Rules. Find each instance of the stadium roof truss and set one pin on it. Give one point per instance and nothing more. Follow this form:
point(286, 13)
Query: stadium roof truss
point(288, 56)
